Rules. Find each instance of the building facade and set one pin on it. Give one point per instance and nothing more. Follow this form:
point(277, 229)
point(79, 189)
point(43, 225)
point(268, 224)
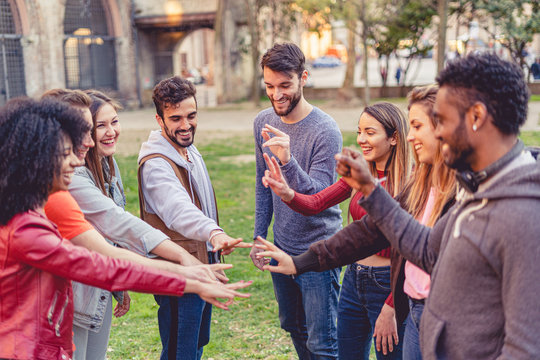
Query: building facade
point(71, 43)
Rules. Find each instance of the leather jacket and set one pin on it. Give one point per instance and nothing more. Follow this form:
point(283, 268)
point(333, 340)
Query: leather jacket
point(36, 298)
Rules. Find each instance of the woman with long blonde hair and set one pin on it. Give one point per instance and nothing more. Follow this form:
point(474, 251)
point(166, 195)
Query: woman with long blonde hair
point(428, 194)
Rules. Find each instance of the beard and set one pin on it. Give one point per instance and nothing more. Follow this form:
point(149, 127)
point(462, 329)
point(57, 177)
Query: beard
point(294, 100)
point(457, 156)
point(181, 143)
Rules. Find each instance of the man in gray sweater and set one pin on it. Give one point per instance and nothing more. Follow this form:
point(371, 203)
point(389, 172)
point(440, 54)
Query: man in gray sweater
point(307, 303)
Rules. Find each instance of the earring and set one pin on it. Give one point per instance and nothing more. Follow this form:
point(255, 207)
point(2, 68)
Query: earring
point(474, 128)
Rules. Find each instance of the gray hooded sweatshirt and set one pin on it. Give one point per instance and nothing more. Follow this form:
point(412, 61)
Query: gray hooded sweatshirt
point(165, 196)
point(484, 259)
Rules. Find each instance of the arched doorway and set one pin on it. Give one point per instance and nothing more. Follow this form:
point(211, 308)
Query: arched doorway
point(89, 46)
point(193, 58)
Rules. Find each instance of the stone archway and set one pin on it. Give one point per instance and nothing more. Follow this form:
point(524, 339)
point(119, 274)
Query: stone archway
point(193, 58)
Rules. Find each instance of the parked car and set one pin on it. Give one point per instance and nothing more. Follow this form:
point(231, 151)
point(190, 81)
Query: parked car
point(195, 76)
point(326, 61)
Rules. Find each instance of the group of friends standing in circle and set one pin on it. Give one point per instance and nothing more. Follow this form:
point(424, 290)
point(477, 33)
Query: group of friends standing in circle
point(384, 289)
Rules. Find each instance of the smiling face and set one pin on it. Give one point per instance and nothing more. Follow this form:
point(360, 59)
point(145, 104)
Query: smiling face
point(179, 123)
point(372, 138)
point(451, 131)
point(421, 134)
point(284, 90)
point(107, 130)
point(68, 162)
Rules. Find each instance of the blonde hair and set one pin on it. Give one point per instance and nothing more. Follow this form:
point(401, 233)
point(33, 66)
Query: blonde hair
point(426, 176)
point(395, 125)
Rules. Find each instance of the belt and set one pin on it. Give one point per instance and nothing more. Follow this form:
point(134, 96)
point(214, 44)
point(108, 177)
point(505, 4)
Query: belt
point(417, 301)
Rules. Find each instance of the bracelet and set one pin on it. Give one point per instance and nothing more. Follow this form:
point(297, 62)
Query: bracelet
point(215, 234)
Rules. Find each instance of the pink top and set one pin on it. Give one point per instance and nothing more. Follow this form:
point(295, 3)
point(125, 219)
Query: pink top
point(417, 281)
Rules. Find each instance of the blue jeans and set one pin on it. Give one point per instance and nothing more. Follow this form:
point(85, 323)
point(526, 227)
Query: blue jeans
point(363, 292)
point(307, 310)
point(192, 315)
point(411, 343)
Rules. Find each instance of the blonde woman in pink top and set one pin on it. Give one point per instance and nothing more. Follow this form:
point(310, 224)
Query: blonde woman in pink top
point(428, 194)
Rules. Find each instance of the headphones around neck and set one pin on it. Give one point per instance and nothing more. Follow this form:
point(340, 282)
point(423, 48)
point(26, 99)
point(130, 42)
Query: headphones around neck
point(470, 180)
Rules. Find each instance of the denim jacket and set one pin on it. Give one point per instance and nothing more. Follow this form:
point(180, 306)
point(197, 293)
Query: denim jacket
point(107, 215)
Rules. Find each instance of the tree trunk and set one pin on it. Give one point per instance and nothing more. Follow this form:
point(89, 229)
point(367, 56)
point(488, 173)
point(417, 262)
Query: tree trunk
point(219, 52)
point(346, 93)
point(366, 52)
point(252, 23)
point(442, 9)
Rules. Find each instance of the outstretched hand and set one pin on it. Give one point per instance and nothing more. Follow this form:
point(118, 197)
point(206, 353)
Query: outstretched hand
point(355, 170)
point(212, 293)
point(285, 263)
point(194, 269)
point(279, 144)
point(274, 179)
point(227, 244)
point(122, 309)
point(206, 273)
point(257, 261)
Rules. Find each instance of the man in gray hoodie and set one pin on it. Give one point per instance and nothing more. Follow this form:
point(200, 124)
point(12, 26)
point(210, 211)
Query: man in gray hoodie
point(484, 254)
point(177, 197)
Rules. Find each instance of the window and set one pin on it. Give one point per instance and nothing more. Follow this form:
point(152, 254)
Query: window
point(12, 81)
point(89, 53)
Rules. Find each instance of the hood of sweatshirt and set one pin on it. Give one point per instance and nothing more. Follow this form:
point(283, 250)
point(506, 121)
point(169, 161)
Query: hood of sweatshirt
point(157, 144)
point(523, 181)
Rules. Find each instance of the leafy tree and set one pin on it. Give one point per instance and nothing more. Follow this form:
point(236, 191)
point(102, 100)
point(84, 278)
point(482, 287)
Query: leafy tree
point(403, 30)
point(516, 20)
point(357, 18)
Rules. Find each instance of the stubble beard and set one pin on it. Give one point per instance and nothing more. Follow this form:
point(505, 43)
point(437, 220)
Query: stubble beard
point(173, 138)
point(294, 101)
point(461, 150)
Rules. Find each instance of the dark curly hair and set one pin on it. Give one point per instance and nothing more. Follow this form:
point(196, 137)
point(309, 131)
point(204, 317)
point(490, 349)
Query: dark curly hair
point(498, 84)
point(31, 144)
point(172, 91)
point(285, 58)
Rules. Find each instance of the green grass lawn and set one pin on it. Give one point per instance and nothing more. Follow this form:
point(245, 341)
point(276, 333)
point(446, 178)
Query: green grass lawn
point(250, 330)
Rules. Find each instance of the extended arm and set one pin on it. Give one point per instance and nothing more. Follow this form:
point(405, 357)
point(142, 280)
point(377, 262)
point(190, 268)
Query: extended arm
point(64, 211)
point(166, 196)
point(37, 245)
point(113, 221)
point(302, 203)
point(417, 243)
point(92, 240)
point(358, 240)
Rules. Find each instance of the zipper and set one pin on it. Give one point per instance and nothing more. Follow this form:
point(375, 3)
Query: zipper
point(61, 317)
point(51, 309)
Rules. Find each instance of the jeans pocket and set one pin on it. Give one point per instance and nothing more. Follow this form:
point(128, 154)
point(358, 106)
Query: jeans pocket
point(382, 280)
